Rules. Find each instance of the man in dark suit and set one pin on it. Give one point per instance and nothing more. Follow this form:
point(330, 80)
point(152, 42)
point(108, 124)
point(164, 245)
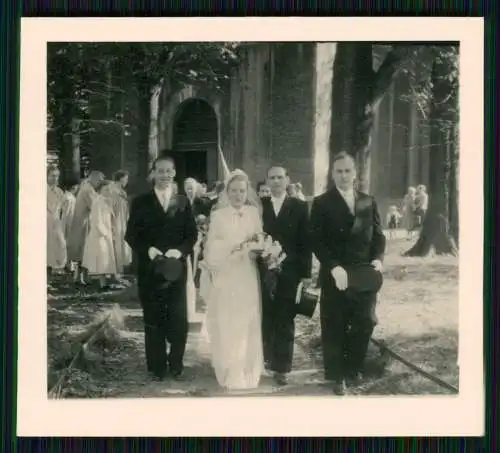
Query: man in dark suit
point(286, 220)
point(345, 230)
point(161, 223)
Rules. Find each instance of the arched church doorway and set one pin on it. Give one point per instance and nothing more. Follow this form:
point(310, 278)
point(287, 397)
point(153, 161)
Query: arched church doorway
point(194, 144)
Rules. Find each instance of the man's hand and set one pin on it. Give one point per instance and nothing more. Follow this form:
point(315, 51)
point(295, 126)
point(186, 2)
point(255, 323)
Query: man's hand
point(153, 252)
point(340, 276)
point(173, 253)
point(377, 264)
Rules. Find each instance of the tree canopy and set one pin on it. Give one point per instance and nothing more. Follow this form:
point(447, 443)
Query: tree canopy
point(75, 71)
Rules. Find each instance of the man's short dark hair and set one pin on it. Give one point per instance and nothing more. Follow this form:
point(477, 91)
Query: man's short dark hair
point(277, 166)
point(343, 155)
point(165, 158)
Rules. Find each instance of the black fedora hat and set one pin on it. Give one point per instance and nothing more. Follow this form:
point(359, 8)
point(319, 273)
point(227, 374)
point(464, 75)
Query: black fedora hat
point(167, 270)
point(363, 278)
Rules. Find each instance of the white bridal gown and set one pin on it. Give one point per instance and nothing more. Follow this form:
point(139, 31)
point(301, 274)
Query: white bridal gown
point(230, 286)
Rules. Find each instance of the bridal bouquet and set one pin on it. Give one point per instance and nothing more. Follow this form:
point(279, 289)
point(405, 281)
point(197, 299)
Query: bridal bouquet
point(270, 257)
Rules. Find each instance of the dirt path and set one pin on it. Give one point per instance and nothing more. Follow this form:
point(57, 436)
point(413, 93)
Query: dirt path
point(418, 318)
point(124, 376)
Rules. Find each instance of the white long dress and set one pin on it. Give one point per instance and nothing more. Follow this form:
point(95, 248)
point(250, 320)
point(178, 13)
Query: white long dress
point(230, 286)
point(99, 253)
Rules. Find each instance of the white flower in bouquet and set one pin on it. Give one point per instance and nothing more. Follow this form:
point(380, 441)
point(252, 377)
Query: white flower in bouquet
point(275, 261)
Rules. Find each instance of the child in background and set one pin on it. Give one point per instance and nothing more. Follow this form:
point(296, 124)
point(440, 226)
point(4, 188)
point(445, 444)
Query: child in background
point(393, 218)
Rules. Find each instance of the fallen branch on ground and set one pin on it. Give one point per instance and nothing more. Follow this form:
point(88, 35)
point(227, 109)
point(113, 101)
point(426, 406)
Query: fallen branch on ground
point(385, 349)
point(104, 331)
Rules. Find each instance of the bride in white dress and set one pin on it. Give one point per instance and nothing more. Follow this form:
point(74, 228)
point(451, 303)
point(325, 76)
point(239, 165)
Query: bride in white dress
point(230, 286)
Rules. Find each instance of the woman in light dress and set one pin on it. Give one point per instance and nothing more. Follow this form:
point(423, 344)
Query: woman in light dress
point(120, 218)
point(230, 286)
point(56, 241)
point(99, 254)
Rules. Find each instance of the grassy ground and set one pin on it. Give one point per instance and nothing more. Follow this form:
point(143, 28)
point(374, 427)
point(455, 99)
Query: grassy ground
point(418, 319)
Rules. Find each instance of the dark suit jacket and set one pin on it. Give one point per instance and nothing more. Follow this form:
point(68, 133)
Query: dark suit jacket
point(290, 228)
point(150, 226)
point(339, 238)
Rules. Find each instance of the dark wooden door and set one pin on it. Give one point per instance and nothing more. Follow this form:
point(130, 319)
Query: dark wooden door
point(190, 164)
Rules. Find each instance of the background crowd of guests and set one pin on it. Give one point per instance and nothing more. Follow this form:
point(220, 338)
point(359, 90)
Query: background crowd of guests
point(86, 226)
point(86, 221)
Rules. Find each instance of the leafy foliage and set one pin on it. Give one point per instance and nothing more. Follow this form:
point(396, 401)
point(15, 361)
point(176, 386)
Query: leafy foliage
point(418, 67)
point(78, 71)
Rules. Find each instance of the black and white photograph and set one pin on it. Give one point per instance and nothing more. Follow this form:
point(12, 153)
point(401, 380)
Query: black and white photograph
point(234, 218)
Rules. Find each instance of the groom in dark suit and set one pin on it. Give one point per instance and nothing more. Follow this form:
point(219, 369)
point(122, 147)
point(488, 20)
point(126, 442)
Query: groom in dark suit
point(286, 220)
point(161, 223)
point(345, 231)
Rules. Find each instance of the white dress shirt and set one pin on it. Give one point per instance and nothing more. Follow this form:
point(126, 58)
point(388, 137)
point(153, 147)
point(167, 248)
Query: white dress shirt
point(164, 196)
point(348, 196)
point(277, 203)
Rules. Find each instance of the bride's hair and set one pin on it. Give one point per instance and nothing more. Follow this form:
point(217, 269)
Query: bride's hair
point(252, 197)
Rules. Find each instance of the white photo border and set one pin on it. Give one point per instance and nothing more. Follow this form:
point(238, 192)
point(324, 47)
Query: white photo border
point(461, 415)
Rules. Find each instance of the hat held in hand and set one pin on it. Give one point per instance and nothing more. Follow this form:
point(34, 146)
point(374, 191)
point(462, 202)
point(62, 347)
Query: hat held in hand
point(363, 278)
point(306, 300)
point(167, 270)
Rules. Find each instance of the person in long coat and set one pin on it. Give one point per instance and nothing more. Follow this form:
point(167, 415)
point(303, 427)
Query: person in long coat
point(99, 257)
point(80, 224)
point(120, 219)
point(68, 212)
point(56, 242)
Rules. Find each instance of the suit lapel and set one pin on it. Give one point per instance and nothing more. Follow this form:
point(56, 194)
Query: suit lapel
point(341, 201)
point(155, 202)
point(285, 208)
point(173, 203)
point(358, 220)
point(362, 204)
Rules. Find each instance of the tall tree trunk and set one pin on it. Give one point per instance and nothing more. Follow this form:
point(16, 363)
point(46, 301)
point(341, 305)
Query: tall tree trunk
point(68, 144)
point(352, 81)
point(75, 150)
point(454, 197)
point(436, 235)
point(144, 159)
point(356, 93)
